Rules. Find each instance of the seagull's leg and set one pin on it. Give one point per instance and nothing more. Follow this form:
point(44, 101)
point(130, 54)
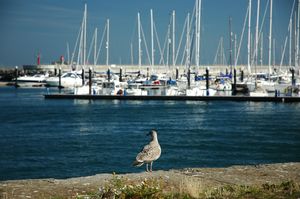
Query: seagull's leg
point(151, 166)
point(147, 167)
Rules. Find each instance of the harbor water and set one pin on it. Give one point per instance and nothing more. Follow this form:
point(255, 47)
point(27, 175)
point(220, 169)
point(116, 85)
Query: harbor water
point(43, 138)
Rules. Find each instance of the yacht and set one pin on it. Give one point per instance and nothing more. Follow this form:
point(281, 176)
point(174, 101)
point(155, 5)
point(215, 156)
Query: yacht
point(69, 79)
point(34, 80)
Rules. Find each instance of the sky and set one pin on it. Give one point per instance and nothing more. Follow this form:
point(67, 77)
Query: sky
point(29, 27)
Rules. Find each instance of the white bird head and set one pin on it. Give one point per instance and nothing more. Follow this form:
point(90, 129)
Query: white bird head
point(153, 134)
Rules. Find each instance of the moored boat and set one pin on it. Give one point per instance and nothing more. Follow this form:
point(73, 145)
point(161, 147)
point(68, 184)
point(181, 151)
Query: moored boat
point(69, 79)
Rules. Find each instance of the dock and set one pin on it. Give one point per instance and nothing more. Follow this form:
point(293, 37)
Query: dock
point(285, 99)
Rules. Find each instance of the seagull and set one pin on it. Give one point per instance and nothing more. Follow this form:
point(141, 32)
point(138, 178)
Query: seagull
point(150, 152)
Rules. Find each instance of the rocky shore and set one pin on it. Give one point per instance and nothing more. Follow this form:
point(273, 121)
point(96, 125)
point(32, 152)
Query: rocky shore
point(193, 182)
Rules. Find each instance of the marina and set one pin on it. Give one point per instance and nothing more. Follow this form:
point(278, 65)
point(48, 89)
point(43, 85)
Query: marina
point(175, 84)
point(80, 75)
point(216, 85)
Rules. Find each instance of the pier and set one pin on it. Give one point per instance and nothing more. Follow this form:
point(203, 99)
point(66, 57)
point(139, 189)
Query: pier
point(281, 99)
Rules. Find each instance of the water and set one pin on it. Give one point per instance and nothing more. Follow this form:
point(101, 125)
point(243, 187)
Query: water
point(42, 138)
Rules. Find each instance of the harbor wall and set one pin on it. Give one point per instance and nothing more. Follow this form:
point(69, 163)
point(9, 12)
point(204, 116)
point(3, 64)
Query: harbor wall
point(214, 69)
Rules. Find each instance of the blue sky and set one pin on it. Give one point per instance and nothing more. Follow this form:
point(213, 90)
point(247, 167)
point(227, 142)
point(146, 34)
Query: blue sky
point(46, 26)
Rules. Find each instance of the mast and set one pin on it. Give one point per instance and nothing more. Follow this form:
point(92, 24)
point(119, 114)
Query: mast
point(168, 46)
point(81, 47)
point(188, 41)
point(249, 36)
point(107, 42)
point(256, 34)
point(139, 40)
point(235, 48)
point(95, 46)
point(297, 39)
point(274, 51)
point(173, 39)
point(230, 44)
point(131, 54)
point(198, 28)
point(152, 40)
point(261, 48)
point(270, 34)
point(221, 51)
point(68, 52)
point(84, 35)
point(290, 41)
point(290, 29)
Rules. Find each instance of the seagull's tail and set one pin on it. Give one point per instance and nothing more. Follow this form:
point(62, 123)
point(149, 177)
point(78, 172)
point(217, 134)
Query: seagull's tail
point(137, 163)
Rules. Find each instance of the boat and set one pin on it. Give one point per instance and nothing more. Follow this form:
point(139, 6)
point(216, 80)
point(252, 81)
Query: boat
point(112, 88)
point(69, 79)
point(34, 80)
point(85, 89)
point(198, 91)
point(134, 88)
point(259, 92)
point(156, 81)
point(222, 83)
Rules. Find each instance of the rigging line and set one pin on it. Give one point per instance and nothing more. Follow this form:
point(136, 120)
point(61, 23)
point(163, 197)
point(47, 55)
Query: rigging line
point(184, 52)
point(145, 43)
point(133, 34)
point(68, 52)
point(282, 56)
point(168, 45)
point(241, 39)
point(283, 52)
point(162, 59)
point(157, 40)
point(75, 47)
point(192, 43)
point(224, 58)
point(263, 21)
point(91, 46)
point(184, 56)
point(180, 41)
point(217, 53)
point(192, 27)
point(260, 31)
point(101, 42)
point(169, 41)
point(79, 57)
point(189, 31)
